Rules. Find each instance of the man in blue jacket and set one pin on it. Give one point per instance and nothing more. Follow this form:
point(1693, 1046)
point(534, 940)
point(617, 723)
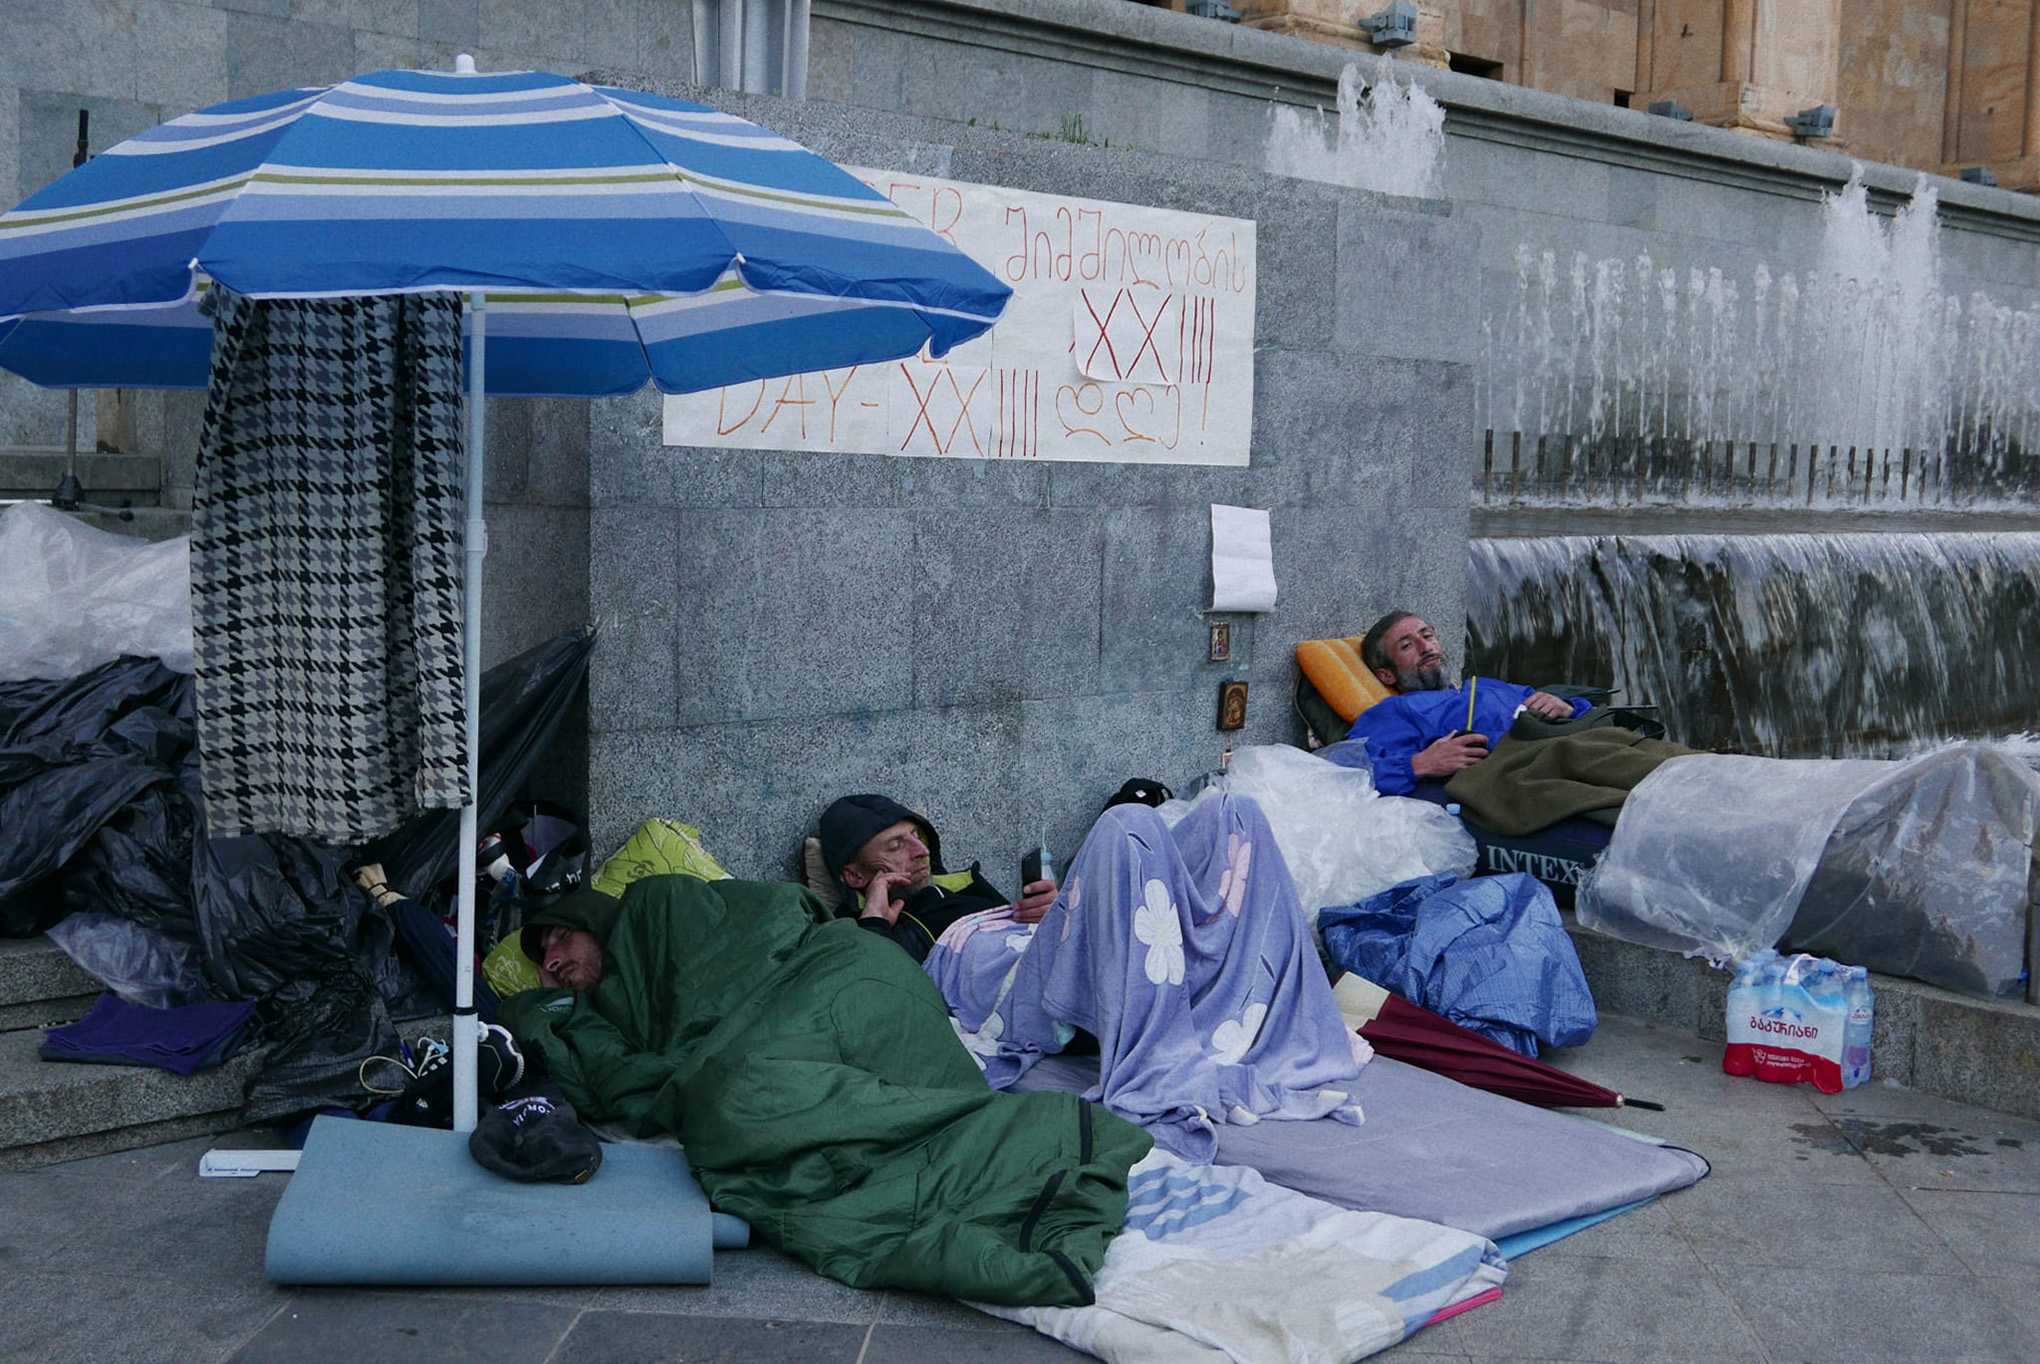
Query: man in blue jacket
point(1422, 730)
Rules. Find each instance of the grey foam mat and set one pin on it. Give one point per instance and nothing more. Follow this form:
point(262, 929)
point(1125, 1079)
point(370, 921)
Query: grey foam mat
point(375, 1203)
point(1435, 1149)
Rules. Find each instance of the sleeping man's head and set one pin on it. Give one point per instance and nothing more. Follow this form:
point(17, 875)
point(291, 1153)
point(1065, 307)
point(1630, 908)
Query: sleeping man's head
point(569, 958)
point(564, 939)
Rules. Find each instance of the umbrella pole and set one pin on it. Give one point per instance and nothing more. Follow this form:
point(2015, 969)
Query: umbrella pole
point(464, 1022)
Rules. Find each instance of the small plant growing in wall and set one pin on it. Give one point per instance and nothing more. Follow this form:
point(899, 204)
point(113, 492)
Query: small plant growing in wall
point(1071, 130)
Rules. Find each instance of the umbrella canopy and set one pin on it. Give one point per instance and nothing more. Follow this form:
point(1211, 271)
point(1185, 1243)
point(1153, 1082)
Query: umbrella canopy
point(603, 238)
point(1414, 1035)
point(620, 238)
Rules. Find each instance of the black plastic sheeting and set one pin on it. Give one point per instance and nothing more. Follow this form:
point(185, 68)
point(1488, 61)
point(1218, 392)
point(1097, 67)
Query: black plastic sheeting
point(523, 702)
point(96, 753)
point(99, 797)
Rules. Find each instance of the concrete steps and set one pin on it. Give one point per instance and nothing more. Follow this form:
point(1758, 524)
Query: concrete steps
point(51, 1112)
point(34, 471)
point(39, 985)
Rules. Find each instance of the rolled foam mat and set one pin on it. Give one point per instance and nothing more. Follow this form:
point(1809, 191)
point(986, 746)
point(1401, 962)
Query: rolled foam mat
point(375, 1203)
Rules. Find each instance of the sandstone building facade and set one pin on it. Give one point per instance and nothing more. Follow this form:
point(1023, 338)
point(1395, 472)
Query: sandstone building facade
point(1941, 85)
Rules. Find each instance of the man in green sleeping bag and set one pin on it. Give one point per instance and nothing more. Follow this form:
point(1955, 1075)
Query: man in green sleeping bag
point(812, 1074)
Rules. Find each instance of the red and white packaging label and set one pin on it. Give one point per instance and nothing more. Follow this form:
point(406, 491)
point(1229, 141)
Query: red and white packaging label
point(1777, 1033)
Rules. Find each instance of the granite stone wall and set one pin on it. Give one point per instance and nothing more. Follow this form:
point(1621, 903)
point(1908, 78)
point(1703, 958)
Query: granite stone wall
point(1003, 643)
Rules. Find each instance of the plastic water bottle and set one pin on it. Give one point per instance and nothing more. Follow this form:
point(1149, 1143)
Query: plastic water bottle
point(1856, 1037)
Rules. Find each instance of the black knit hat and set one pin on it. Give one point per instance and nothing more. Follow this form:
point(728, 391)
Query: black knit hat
point(586, 908)
point(850, 823)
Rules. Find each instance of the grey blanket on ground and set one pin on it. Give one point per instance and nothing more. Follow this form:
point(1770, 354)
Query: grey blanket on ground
point(1435, 1149)
point(325, 566)
point(1526, 785)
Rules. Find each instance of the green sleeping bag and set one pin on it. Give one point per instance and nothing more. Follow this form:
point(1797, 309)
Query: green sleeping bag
point(814, 1078)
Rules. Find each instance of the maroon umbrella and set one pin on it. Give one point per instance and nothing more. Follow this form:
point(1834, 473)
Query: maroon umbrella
point(1414, 1035)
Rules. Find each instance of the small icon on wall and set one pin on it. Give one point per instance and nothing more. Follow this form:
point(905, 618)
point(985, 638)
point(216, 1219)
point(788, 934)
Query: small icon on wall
point(1221, 641)
point(1232, 705)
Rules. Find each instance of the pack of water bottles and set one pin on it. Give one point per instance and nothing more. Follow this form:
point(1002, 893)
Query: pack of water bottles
point(1800, 1020)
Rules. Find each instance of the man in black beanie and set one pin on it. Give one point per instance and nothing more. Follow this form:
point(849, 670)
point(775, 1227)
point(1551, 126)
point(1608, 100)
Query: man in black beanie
point(888, 861)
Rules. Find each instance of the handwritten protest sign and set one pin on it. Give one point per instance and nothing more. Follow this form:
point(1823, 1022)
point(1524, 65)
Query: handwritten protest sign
point(1130, 338)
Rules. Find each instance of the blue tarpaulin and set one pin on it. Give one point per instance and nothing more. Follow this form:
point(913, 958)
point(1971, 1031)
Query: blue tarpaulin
point(1488, 953)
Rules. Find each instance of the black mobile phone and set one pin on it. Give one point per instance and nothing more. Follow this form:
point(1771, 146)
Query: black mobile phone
point(1030, 868)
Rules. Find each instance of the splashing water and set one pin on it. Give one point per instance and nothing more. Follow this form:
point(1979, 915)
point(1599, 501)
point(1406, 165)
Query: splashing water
point(1389, 138)
point(1865, 348)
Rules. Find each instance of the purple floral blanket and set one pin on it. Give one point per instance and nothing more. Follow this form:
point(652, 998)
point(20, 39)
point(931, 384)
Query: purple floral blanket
point(1184, 952)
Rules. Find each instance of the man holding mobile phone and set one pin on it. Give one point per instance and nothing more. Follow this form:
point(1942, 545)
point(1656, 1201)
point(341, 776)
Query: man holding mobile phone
point(1178, 949)
point(889, 861)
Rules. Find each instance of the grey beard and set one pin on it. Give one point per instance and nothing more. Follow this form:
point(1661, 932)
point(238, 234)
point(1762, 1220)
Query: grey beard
point(1421, 679)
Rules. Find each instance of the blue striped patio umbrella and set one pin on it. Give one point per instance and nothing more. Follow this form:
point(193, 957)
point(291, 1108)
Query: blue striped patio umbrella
point(620, 238)
point(609, 239)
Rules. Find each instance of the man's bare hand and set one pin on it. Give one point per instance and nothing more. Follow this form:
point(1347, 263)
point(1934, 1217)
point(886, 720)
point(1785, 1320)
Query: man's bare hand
point(1035, 899)
point(878, 901)
point(1455, 753)
point(1543, 703)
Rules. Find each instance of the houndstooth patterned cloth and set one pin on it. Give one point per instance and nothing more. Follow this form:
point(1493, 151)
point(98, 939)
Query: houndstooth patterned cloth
point(326, 565)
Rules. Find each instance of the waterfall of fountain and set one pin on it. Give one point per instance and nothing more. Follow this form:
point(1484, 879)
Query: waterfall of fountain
point(1860, 380)
point(1388, 137)
point(1827, 645)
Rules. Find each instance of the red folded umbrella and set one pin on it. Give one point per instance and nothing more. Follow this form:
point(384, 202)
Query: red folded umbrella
point(1415, 1036)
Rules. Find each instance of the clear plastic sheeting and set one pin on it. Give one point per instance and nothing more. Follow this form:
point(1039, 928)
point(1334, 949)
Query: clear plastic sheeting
point(1919, 868)
point(73, 597)
point(134, 961)
point(1342, 839)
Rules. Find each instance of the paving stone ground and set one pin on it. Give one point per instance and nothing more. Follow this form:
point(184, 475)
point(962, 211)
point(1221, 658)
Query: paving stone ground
point(1871, 1226)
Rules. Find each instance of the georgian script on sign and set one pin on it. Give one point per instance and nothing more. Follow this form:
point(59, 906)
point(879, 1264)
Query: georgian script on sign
point(1130, 338)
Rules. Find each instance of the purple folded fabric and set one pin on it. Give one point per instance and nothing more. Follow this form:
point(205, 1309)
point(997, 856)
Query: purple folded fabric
point(183, 1041)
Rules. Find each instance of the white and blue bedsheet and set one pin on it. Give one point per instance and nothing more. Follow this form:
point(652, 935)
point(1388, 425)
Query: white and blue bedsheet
point(1184, 953)
point(1217, 1264)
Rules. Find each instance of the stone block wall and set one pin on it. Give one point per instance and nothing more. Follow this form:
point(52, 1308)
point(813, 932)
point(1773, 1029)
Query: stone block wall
point(1039, 632)
point(1894, 81)
point(1003, 643)
point(1524, 166)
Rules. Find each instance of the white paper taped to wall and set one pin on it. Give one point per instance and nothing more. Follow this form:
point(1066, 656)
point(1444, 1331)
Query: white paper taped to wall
point(1242, 560)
